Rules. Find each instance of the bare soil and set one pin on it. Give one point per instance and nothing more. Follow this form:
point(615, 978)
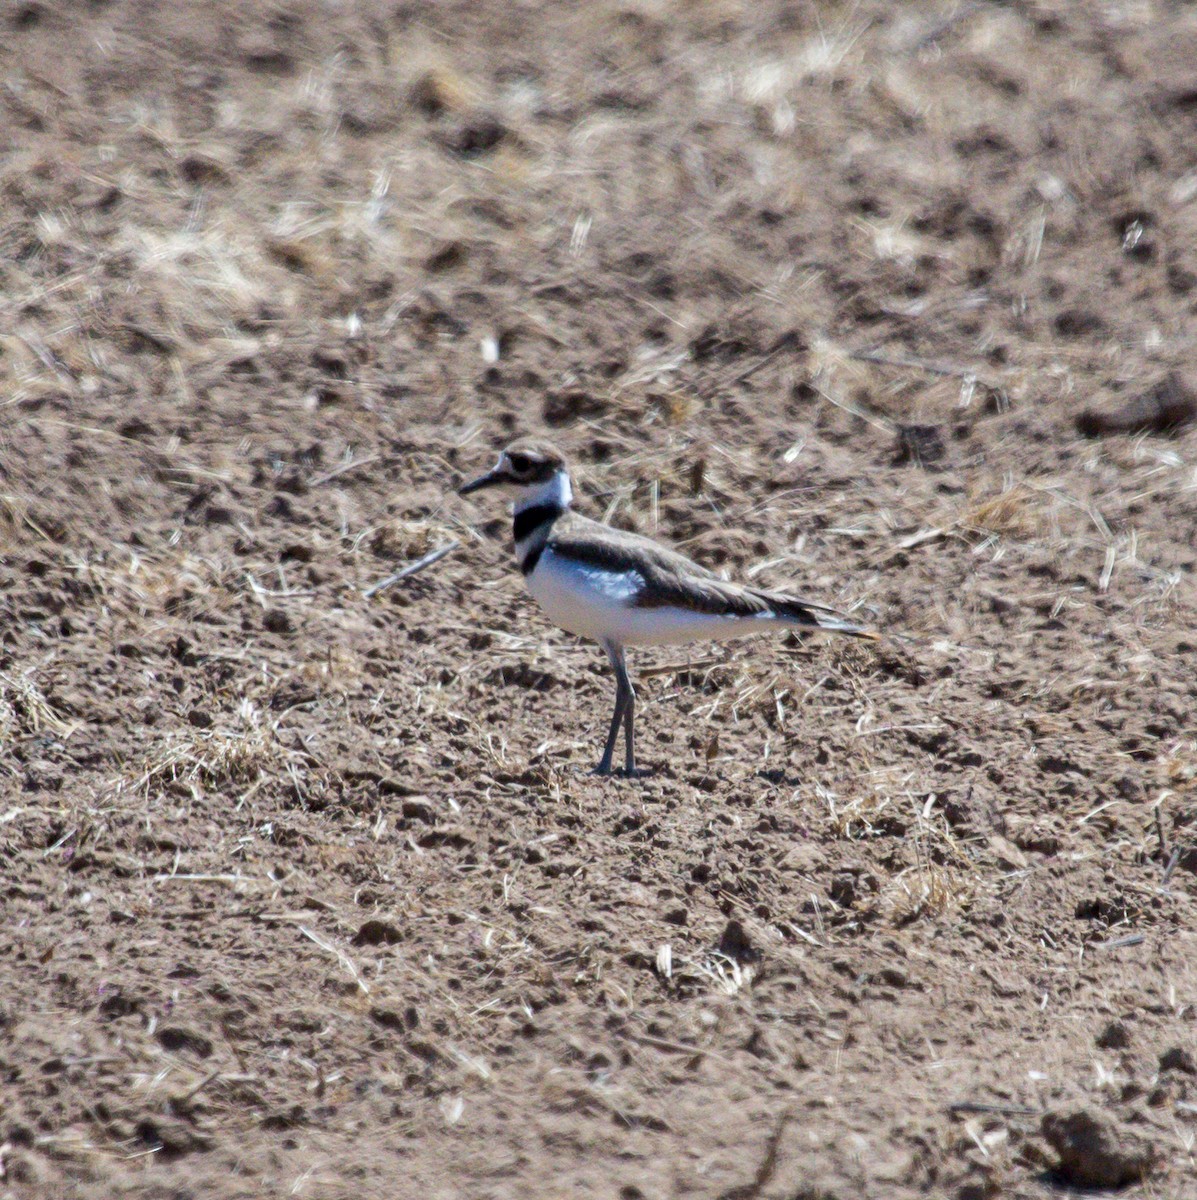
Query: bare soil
point(309, 893)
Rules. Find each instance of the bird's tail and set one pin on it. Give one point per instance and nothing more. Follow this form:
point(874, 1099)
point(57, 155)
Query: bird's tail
point(813, 615)
point(835, 625)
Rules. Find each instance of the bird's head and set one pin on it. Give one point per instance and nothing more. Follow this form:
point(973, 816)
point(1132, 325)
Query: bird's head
point(534, 471)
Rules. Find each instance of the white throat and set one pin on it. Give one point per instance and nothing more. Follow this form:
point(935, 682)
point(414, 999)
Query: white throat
point(555, 492)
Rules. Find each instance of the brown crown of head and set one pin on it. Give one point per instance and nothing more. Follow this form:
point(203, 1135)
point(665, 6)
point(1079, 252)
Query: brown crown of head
point(525, 462)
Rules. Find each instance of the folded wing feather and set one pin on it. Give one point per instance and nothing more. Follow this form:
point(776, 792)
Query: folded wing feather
point(673, 580)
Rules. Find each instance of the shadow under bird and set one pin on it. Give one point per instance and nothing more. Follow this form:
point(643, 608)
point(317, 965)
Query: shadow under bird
point(621, 589)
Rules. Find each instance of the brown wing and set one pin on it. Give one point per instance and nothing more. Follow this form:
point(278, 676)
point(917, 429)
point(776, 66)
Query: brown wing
point(670, 578)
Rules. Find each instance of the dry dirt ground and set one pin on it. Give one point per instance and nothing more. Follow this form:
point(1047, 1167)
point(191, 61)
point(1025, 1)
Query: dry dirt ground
point(309, 893)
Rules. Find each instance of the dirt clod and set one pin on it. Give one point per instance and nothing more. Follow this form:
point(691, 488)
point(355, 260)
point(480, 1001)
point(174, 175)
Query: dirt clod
point(377, 932)
point(735, 943)
point(1115, 1036)
point(1095, 1150)
point(1179, 1058)
point(178, 1038)
point(922, 445)
point(1166, 408)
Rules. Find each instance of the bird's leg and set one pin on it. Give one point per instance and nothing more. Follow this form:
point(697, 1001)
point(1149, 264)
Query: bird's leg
point(622, 700)
point(629, 713)
point(604, 767)
point(628, 692)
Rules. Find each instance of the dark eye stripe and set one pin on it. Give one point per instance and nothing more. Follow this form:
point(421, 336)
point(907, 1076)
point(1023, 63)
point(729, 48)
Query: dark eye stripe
point(519, 463)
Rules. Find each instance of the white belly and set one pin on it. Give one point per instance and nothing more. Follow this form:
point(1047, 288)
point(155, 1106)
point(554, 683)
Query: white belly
point(598, 604)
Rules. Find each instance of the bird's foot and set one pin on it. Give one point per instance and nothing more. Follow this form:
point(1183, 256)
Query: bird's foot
point(605, 770)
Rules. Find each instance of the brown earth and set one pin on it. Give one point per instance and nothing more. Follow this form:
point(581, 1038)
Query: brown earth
point(310, 894)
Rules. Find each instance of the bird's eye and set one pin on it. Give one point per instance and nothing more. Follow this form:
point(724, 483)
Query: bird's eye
point(519, 463)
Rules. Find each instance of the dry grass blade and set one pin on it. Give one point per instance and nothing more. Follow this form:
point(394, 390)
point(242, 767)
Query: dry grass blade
point(343, 469)
point(714, 970)
point(201, 877)
point(340, 955)
point(981, 1108)
point(24, 710)
point(1012, 512)
point(412, 568)
point(764, 1173)
point(195, 758)
point(952, 370)
point(937, 889)
point(701, 664)
point(17, 510)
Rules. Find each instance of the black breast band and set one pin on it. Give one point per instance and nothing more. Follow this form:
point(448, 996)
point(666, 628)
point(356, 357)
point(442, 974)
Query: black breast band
point(528, 520)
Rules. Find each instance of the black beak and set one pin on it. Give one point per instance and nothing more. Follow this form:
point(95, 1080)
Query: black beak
point(490, 479)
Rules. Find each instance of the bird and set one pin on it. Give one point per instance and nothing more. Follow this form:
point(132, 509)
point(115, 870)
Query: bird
point(621, 589)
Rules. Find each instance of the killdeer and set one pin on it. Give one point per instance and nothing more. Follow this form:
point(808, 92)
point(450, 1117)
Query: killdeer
point(621, 589)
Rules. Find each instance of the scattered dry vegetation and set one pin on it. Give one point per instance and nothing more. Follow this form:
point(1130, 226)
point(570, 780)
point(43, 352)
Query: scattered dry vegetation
point(307, 888)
